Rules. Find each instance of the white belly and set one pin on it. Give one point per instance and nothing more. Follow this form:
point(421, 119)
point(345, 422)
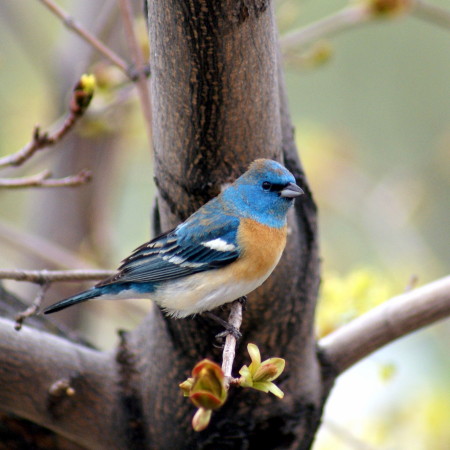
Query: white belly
point(202, 292)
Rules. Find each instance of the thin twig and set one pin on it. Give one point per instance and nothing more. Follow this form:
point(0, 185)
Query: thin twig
point(18, 158)
point(70, 23)
point(79, 102)
point(348, 17)
point(229, 349)
point(47, 276)
point(138, 59)
point(33, 308)
point(385, 323)
point(432, 13)
point(43, 180)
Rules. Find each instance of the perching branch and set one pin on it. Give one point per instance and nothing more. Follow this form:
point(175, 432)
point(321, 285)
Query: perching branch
point(43, 179)
point(229, 349)
point(51, 276)
point(394, 318)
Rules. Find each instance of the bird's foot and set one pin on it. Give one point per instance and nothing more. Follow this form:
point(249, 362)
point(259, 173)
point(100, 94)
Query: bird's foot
point(229, 329)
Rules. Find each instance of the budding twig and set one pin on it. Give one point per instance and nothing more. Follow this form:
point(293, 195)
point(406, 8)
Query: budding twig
point(79, 102)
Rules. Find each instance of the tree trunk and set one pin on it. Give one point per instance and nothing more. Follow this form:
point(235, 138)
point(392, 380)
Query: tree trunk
point(219, 102)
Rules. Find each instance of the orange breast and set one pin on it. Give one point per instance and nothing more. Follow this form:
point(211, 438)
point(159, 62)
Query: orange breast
point(262, 246)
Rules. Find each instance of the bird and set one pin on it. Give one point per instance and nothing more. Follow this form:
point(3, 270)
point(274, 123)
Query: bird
point(222, 252)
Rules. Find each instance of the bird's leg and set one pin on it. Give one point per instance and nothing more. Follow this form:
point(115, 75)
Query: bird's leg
point(229, 328)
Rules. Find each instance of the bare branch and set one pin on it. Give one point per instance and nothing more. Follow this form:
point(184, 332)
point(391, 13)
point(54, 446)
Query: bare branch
point(394, 318)
point(70, 23)
point(353, 16)
point(138, 59)
point(348, 17)
point(51, 276)
point(42, 179)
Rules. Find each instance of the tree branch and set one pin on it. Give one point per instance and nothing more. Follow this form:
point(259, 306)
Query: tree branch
point(80, 100)
point(394, 318)
point(43, 180)
point(34, 362)
point(51, 276)
point(348, 17)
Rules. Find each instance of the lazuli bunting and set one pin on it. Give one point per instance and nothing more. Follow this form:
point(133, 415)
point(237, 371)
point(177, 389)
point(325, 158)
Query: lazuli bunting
point(222, 252)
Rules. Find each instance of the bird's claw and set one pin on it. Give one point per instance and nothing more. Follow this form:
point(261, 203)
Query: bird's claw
point(229, 330)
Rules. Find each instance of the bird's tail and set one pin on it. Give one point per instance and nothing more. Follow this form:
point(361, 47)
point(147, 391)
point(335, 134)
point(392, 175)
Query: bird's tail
point(81, 297)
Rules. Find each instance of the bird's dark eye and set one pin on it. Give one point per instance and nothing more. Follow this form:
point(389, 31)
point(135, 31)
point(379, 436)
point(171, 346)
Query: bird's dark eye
point(266, 185)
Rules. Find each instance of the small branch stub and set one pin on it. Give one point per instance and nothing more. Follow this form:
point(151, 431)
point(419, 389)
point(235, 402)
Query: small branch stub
point(61, 388)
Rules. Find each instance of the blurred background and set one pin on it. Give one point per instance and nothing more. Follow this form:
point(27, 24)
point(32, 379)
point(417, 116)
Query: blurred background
point(371, 108)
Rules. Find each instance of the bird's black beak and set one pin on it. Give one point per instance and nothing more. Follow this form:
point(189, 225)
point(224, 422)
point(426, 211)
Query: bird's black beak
point(291, 191)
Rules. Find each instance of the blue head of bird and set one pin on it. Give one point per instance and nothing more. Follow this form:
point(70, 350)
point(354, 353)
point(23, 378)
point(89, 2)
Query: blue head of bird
point(264, 193)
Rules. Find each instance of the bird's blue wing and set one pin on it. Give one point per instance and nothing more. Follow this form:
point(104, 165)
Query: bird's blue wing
point(201, 243)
